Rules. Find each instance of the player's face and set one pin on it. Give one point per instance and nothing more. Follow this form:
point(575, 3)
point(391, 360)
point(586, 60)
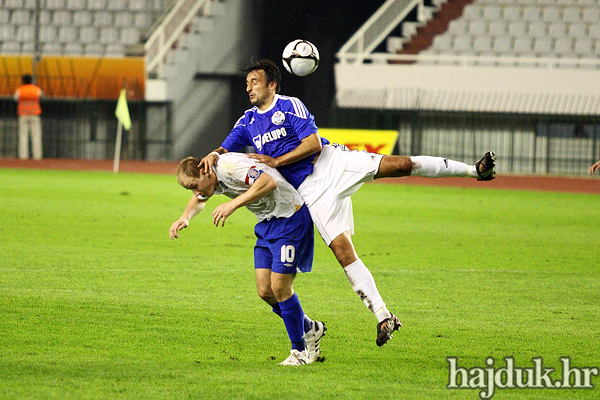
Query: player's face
point(261, 94)
point(203, 187)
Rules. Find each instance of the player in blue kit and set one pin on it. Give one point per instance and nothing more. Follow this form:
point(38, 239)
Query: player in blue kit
point(285, 136)
point(285, 236)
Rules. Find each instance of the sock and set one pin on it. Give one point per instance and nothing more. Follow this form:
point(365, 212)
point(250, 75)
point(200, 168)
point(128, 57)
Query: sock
point(438, 167)
point(293, 318)
point(276, 309)
point(307, 323)
point(364, 286)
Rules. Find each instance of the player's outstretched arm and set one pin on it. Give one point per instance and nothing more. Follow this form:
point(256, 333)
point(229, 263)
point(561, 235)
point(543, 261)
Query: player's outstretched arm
point(192, 209)
point(206, 164)
point(259, 189)
point(594, 168)
point(309, 146)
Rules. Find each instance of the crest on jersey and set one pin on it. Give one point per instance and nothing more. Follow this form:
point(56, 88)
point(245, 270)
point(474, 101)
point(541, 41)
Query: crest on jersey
point(253, 175)
point(278, 118)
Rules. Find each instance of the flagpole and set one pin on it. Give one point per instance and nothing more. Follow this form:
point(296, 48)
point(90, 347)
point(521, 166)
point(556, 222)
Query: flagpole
point(118, 147)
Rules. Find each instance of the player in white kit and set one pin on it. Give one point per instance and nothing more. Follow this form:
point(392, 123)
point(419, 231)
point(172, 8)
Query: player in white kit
point(285, 236)
point(284, 135)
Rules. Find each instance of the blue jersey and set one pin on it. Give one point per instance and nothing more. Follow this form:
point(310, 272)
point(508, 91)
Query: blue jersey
point(275, 132)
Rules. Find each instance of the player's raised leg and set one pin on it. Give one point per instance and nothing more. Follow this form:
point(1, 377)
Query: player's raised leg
point(436, 167)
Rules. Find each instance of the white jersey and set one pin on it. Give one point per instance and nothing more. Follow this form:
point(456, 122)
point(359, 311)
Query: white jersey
point(237, 172)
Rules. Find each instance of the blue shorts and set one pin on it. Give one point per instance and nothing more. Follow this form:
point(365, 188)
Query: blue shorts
point(285, 245)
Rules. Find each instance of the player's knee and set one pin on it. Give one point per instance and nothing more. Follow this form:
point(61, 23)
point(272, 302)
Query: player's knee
point(281, 290)
point(265, 293)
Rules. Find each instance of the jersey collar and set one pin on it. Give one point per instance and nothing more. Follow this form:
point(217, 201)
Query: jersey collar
point(275, 98)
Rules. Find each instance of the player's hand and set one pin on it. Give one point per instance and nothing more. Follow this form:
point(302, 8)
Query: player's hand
point(594, 168)
point(222, 212)
point(261, 158)
point(177, 226)
point(206, 164)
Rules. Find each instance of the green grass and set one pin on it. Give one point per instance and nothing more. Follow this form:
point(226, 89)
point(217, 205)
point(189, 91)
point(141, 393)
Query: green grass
point(97, 303)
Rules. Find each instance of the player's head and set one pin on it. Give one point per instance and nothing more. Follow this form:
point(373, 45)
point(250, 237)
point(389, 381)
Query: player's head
point(192, 178)
point(26, 79)
point(263, 80)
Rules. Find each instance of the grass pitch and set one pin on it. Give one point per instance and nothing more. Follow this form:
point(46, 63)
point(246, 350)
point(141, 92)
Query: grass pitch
point(97, 303)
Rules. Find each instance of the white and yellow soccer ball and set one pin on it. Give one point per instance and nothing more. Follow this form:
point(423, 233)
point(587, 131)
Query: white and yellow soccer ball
point(300, 57)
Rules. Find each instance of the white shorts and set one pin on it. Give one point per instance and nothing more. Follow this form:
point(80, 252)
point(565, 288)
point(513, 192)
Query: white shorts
point(338, 173)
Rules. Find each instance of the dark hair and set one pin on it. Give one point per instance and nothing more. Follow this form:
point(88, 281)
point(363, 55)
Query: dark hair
point(27, 79)
point(188, 167)
point(271, 69)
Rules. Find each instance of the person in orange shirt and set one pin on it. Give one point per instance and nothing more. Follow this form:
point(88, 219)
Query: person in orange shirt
point(28, 97)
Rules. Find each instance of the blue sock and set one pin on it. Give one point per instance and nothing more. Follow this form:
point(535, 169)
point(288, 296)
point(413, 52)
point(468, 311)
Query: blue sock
point(307, 323)
point(293, 318)
point(276, 309)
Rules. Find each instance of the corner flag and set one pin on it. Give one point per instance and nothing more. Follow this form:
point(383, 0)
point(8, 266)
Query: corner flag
point(122, 111)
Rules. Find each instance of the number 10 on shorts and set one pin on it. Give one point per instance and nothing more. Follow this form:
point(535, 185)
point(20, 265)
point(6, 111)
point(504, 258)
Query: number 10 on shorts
point(288, 253)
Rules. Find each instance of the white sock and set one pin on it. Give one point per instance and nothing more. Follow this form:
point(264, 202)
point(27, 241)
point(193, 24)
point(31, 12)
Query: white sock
point(438, 167)
point(364, 286)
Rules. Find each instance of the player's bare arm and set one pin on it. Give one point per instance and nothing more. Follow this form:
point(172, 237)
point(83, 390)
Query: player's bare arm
point(259, 189)
point(309, 146)
point(192, 209)
point(206, 164)
point(594, 168)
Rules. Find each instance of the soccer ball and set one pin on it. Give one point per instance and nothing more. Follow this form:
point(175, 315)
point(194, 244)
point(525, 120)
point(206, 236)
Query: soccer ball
point(300, 57)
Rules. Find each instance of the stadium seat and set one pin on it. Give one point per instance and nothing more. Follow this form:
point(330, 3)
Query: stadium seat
point(537, 29)
point(583, 46)
point(482, 44)
point(82, 18)
point(117, 5)
point(138, 5)
point(130, 36)
point(52, 48)
point(115, 50)
point(27, 48)
point(557, 29)
point(88, 34)
point(96, 5)
point(542, 45)
point(517, 28)
point(532, 13)
point(25, 33)
point(94, 49)
point(594, 31)
point(10, 47)
point(522, 45)
point(477, 28)
point(458, 26)
point(571, 14)
point(61, 18)
point(20, 17)
point(7, 32)
point(591, 15)
point(503, 44)
point(142, 20)
point(73, 48)
point(55, 4)
point(563, 46)
point(123, 19)
point(551, 14)
point(498, 28)
point(67, 34)
point(491, 12)
point(109, 34)
point(473, 12)
point(75, 5)
point(102, 18)
point(512, 13)
point(442, 42)
point(47, 33)
point(4, 16)
point(462, 43)
point(577, 30)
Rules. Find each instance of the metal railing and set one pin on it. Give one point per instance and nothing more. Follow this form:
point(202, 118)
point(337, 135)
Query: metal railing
point(377, 28)
point(169, 31)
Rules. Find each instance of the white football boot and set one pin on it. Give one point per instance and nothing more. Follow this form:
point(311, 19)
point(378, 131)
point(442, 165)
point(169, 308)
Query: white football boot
point(297, 357)
point(312, 339)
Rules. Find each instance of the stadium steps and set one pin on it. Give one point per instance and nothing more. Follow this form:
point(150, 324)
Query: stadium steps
point(438, 24)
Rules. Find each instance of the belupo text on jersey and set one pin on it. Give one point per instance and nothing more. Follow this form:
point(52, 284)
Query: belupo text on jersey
point(260, 140)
